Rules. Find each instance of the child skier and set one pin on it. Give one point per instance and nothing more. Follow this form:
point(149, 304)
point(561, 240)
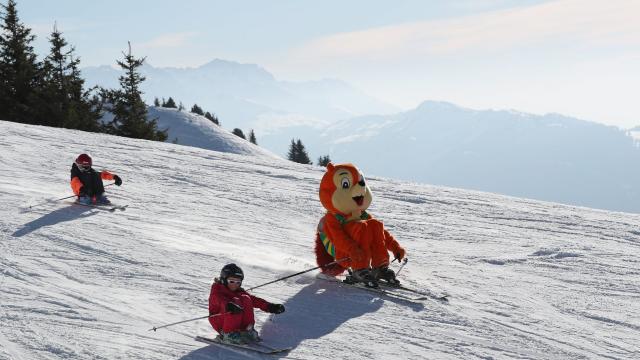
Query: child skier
point(87, 183)
point(235, 306)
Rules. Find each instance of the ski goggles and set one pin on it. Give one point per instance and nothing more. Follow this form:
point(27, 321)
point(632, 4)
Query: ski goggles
point(239, 282)
point(84, 167)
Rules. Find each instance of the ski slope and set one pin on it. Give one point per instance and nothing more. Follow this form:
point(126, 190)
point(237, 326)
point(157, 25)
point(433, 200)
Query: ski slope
point(527, 279)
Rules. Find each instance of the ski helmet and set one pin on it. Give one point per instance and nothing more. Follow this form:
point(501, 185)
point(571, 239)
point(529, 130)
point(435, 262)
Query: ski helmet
point(231, 270)
point(84, 161)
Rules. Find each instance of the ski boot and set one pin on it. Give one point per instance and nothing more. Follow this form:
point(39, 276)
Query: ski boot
point(102, 200)
point(363, 276)
point(235, 337)
point(251, 335)
point(386, 274)
point(84, 200)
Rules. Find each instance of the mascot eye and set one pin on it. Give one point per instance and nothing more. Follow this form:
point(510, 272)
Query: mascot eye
point(361, 181)
point(346, 183)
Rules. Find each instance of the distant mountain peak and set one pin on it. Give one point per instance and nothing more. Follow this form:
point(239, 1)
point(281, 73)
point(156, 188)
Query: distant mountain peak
point(438, 105)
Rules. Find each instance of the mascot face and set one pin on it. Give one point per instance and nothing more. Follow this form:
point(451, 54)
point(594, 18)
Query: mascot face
point(343, 190)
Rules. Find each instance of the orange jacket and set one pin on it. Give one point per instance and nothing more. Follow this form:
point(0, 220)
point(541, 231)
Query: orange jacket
point(76, 183)
point(333, 230)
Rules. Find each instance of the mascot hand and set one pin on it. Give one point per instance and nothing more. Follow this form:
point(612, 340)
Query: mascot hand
point(399, 254)
point(357, 254)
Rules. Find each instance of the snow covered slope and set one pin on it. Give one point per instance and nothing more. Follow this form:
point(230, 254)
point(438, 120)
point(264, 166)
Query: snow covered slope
point(527, 279)
point(190, 129)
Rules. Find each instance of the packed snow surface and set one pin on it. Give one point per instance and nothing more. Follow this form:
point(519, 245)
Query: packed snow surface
point(527, 279)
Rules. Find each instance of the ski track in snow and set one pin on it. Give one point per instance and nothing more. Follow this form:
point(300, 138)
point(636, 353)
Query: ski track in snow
point(527, 279)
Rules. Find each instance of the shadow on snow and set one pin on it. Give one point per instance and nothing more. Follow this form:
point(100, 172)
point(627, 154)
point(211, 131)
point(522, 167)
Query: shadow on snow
point(67, 213)
point(317, 310)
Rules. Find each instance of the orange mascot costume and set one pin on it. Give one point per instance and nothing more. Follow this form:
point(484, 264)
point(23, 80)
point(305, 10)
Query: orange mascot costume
point(348, 231)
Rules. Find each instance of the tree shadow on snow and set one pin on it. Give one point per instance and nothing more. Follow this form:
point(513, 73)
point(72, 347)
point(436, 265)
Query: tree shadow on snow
point(55, 217)
point(317, 310)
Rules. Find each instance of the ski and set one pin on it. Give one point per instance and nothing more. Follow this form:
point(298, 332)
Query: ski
point(425, 293)
point(386, 292)
point(255, 347)
point(378, 290)
point(106, 207)
point(392, 291)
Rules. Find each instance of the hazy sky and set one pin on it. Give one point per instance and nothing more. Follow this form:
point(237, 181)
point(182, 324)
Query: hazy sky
point(576, 57)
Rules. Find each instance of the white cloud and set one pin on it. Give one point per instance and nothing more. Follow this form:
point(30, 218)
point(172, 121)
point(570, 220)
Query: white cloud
point(578, 22)
point(169, 40)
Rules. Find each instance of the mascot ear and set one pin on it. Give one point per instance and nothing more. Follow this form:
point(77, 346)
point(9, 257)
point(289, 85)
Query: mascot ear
point(330, 166)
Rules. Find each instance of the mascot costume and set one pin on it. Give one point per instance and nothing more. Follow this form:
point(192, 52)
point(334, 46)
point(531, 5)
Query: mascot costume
point(348, 231)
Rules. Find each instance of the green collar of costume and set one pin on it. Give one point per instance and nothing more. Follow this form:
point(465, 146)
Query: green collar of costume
point(343, 220)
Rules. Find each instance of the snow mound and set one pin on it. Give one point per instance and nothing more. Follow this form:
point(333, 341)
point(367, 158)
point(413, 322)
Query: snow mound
point(190, 129)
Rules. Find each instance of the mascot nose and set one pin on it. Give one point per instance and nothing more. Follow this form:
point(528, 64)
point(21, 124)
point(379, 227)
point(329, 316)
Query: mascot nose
point(361, 182)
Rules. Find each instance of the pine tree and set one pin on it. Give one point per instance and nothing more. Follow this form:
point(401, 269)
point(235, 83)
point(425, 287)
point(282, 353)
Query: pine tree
point(170, 103)
point(164, 103)
point(297, 152)
point(197, 109)
point(180, 107)
point(239, 133)
point(324, 160)
point(130, 112)
point(63, 102)
point(213, 118)
point(18, 68)
point(303, 157)
point(252, 137)
point(156, 102)
point(293, 151)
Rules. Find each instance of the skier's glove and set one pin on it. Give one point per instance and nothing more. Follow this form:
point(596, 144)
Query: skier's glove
point(117, 179)
point(276, 308)
point(82, 192)
point(234, 308)
point(399, 254)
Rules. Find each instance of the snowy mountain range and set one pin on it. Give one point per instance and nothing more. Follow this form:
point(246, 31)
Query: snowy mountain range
point(247, 96)
point(526, 279)
point(551, 157)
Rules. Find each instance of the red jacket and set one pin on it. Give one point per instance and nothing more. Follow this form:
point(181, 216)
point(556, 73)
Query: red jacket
point(221, 295)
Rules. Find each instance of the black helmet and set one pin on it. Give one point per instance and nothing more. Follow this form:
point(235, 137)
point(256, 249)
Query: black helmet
point(231, 270)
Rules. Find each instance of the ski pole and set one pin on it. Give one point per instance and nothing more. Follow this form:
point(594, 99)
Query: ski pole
point(68, 197)
point(299, 273)
point(404, 262)
point(183, 321)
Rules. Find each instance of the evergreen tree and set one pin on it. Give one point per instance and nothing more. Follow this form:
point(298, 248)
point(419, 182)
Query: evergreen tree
point(252, 137)
point(130, 112)
point(63, 102)
point(239, 133)
point(180, 107)
point(197, 109)
point(213, 118)
point(303, 157)
point(18, 68)
point(298, 153)
point(293, 151)
point(324, 160)
point(164, 103)
point(156, 102)
point(170, 103)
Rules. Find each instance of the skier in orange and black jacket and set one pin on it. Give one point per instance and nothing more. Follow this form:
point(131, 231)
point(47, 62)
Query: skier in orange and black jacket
point(87, 183)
